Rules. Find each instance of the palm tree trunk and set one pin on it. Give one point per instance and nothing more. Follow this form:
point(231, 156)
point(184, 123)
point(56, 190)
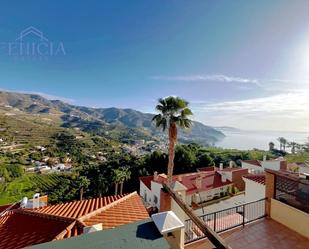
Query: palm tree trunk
point(81, 192)
point(116, 188)
point(121, 187)
point(171, 151)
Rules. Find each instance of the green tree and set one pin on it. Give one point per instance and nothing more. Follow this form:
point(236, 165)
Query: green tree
point(204, 159)
point(184, 159)
point(174, 112)
point(293, 145)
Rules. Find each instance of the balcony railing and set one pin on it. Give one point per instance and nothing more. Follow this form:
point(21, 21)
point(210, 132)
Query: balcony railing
point(294, 192)
point(226, 219)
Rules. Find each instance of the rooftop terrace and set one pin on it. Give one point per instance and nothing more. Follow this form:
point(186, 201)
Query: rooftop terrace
point(265, 233)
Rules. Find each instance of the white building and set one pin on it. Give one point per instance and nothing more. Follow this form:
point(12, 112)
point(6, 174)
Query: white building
point(257, 166)
point(200, 186)
point(255, 187)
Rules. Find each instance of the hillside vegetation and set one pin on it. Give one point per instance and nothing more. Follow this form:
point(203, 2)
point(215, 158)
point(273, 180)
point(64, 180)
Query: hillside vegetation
point(112, 122)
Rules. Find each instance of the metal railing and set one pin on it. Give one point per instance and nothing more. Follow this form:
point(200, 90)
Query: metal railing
point(226, 219)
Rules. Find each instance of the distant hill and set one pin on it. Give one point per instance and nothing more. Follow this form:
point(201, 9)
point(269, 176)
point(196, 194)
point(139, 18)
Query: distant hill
point(116, 122)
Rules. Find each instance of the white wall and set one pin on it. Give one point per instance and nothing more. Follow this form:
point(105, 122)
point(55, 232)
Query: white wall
point(253, 191)
point(271, 164)
point(252, 168)
point(207, 195)
point(156, 190)
point(142, 190)
point(228, 174)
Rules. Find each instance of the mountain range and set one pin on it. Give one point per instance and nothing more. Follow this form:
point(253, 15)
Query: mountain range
point(120, 123)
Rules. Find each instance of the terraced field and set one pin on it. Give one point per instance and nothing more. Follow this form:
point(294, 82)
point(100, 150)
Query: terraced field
point(27, 185)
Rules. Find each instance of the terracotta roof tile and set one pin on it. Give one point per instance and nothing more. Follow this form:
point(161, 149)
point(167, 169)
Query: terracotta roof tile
point(77, 209)
point(24, 227)
point(210, 180)
point(126, 210)
point(19, 229)
point(259, 178)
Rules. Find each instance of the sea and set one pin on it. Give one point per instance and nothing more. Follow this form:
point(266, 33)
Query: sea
point(247, 140)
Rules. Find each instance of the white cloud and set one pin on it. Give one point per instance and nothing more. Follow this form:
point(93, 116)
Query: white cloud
point(284, 111)
point(208, 77)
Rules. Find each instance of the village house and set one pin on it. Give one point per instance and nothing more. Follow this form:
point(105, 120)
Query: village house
point(22, 225)
point(204, 185)
point(259, 166)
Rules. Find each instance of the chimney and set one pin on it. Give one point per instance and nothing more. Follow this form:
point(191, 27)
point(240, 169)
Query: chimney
point(171, 227)
point(264, 158)
point(93, 228)
point(155, 176)
point(221, 166)
point(231, 164)
point(36, 200)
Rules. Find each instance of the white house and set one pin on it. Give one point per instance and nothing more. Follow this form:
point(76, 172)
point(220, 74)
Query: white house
point(255, 187)
point(257, 166)
point(200, 186)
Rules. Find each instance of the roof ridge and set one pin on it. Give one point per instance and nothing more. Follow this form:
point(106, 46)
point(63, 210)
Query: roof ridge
point(70, 202)
point(100, 210)
point(44, 215)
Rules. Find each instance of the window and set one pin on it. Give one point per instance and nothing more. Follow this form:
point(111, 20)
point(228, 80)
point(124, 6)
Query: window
point(155, 199)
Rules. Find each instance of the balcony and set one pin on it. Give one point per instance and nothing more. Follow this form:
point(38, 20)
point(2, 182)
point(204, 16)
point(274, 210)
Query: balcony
point(263, 233)
point(278, 221)
point(226, 219)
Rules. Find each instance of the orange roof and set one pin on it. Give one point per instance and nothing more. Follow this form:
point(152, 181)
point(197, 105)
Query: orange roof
point(20, 228)
point(76, 209)
point(24, 227)
point(127, 210)
point(209, 180)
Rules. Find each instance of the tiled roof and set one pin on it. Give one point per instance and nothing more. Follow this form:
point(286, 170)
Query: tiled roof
point(253, 162)
point(259, 178)
point(77, 209)
point(127, 210)
point(9, 207)
point(209, 180)
point(20, 228)
point(24, 227)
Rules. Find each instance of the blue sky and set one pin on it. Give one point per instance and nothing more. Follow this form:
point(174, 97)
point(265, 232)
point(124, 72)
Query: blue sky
point(240, 63)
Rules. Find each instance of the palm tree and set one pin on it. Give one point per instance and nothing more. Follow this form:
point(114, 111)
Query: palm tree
point(293, 145)
point(174, 112)
point(271, 146)
point(102, 185)
point(282, 142)
point(125, 176)
point(83, 183)
point(117, 178)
